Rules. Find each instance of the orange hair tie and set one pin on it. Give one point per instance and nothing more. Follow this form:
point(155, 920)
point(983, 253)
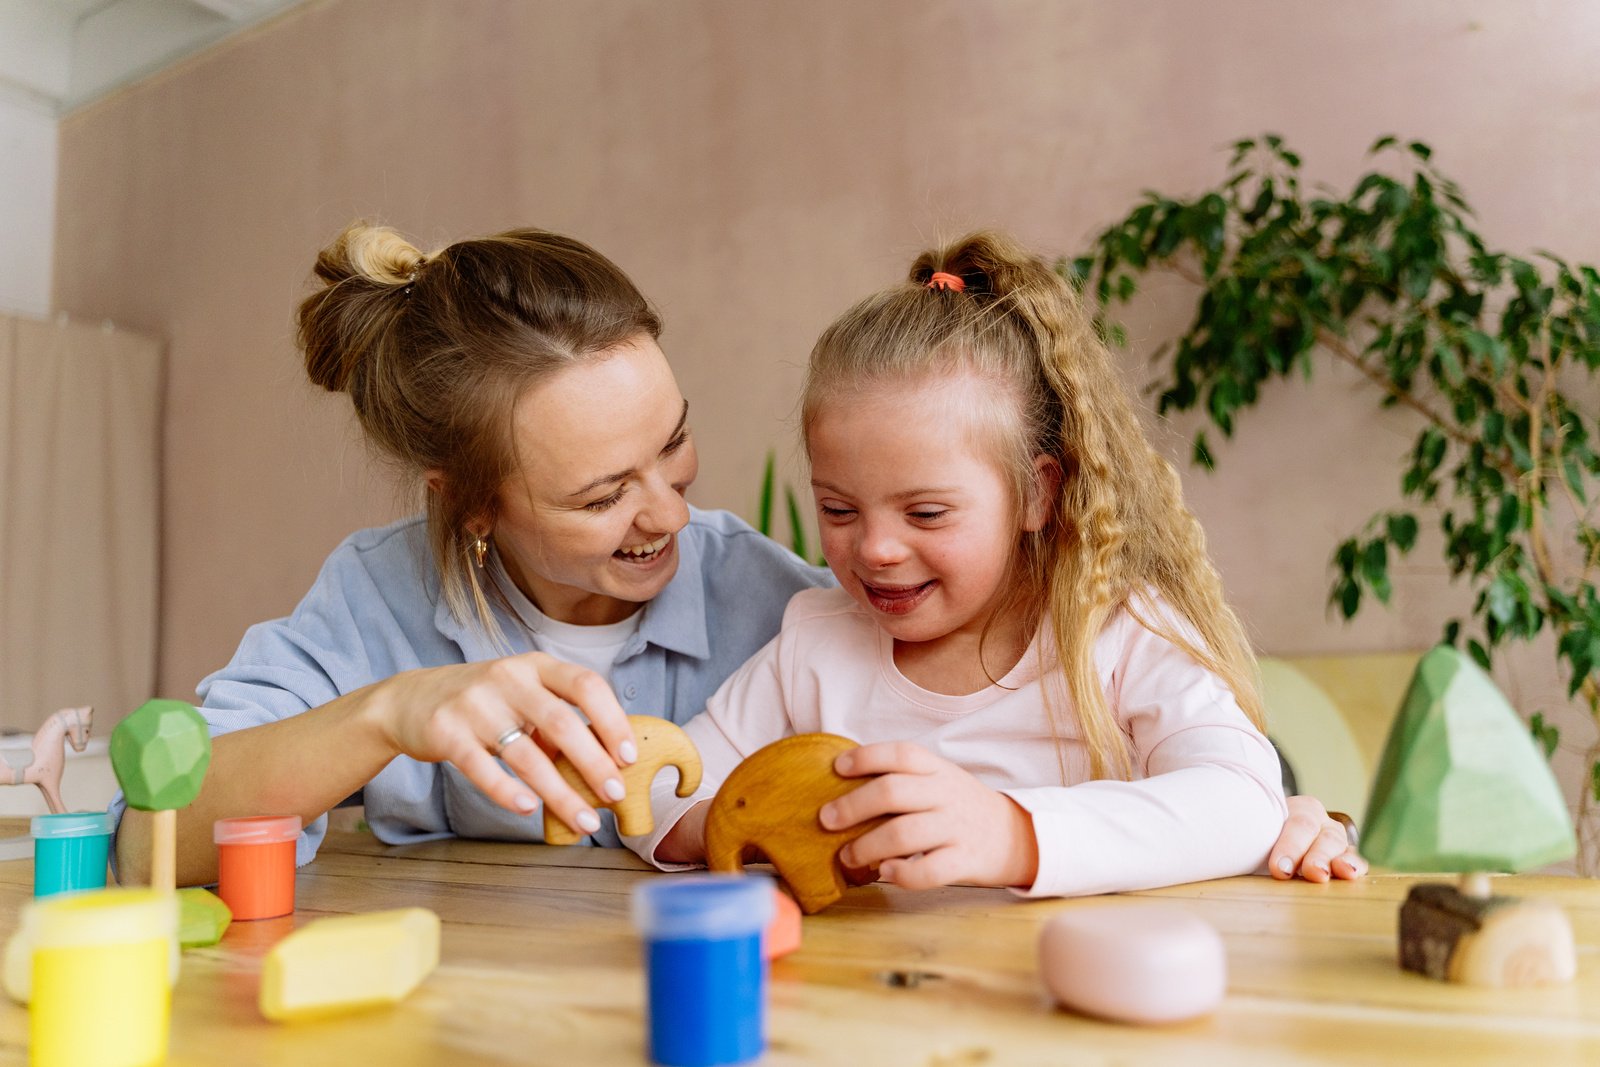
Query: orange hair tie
point(941, 280)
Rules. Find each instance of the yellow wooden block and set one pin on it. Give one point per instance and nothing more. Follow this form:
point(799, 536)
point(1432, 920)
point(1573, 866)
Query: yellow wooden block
point(348, 963)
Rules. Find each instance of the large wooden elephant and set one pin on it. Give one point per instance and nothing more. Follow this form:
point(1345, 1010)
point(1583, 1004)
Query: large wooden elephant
point(661, 744)
point(770, 803)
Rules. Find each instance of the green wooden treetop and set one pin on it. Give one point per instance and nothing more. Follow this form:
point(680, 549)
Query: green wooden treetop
point(1462, 785)
point(160, 754)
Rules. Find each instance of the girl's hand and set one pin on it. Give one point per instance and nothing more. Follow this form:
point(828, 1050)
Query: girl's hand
point(947, 826)
point(1314, 844)
point(686, 841)
point(518, 708)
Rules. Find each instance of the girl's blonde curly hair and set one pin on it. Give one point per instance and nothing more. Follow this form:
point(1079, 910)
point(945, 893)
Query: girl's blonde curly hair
point(1120, 534)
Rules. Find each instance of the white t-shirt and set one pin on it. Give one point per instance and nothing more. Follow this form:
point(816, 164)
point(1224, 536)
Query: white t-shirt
point(594, 647)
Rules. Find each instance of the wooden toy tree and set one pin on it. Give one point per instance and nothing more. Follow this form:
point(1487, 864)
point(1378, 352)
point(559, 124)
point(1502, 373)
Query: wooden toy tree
point(160, 754)
point(1461, 787)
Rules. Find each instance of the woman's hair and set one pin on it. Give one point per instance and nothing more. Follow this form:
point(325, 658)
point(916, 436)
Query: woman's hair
point(1119, 531)
point(436, 348)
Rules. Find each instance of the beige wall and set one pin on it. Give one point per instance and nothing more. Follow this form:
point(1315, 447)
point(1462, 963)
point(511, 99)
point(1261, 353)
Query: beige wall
point(758, 166)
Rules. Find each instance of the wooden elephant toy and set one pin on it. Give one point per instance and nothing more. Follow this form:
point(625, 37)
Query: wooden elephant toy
point(770, 802)
point(661, 744)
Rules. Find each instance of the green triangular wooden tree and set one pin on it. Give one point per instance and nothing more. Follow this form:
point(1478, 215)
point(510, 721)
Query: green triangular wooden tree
point(1462, 788)
point(160, 754)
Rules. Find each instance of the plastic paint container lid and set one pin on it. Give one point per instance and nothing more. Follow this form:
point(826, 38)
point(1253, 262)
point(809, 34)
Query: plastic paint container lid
point(703, 907)
point(72, 824)
point(256, 830)
point(102, 917)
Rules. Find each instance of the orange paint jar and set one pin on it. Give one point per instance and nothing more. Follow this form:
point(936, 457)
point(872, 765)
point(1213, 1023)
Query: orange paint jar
point(255, 864)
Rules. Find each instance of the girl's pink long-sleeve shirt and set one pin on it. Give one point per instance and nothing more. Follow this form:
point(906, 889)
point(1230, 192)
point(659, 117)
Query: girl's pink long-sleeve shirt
point(1207, 799)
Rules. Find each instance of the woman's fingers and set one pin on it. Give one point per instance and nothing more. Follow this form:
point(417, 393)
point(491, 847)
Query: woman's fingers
point(559, 728)
point(474, 761)
point(530, 764)
point(589, 692)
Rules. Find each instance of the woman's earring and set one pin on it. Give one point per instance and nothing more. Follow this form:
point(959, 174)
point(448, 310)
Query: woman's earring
point(480, 549)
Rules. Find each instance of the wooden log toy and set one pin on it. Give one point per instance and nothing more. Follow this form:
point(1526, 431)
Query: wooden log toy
point(47, 755)
point(770, 803)
point(1461, 787)
point(661, 744)
point(1458, 935)
point(160, 754)
point(1144, 963)
point(349, 963)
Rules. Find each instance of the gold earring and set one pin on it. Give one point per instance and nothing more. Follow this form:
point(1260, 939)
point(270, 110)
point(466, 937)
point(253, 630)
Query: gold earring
point(480, 549)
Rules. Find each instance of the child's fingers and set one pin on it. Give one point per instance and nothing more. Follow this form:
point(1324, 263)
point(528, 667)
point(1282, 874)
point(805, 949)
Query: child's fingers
point(1317, 866)
point(886, 757)
point(906, 835)
point(1349, 866)
point(888, 794)
point(1300, 832)
point(926, 871)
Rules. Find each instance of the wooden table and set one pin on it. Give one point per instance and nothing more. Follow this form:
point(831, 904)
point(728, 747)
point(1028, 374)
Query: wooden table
point(541, 966)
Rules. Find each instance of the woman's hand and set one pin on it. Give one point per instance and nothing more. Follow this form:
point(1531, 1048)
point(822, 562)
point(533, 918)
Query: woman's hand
point(1314, 844)
point(520, 709)
point(945, 825)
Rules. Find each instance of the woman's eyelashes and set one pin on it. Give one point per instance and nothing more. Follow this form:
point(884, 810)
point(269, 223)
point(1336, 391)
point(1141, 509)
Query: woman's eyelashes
point(607, 501)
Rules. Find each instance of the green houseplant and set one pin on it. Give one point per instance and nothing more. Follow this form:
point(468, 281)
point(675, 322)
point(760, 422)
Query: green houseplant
point(1495, 355)
point(764, 504)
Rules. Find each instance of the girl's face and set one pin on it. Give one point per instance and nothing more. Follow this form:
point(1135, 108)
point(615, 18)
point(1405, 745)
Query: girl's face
point(917, 520)
point(588, 527)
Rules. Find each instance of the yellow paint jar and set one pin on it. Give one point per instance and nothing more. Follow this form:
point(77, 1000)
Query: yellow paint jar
point(101, 993)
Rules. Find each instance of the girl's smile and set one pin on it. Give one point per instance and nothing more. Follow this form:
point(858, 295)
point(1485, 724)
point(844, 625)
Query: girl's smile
point(898, 600)
point(918, 521)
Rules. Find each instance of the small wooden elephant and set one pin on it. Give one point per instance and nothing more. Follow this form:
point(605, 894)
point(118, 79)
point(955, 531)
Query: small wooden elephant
point(770, 802)
point(661, 744)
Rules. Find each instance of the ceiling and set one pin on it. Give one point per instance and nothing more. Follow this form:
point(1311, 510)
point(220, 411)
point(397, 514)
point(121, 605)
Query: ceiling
point(56, 55)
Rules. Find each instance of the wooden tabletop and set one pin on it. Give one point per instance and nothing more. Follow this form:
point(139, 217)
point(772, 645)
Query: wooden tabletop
point(541, 966)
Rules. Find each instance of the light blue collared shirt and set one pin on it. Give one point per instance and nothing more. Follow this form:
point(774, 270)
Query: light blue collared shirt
point(376, 610)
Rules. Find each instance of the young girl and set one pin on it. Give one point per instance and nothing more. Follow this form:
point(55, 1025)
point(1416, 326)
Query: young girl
point(1028, 639)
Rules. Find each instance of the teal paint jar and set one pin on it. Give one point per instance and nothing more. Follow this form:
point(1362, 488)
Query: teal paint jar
point(70, 852)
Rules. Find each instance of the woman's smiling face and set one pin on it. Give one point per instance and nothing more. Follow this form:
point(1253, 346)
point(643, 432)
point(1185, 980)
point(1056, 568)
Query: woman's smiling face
point(587, 527)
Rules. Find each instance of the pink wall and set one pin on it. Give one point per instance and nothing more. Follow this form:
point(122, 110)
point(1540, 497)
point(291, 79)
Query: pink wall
point(757, 167)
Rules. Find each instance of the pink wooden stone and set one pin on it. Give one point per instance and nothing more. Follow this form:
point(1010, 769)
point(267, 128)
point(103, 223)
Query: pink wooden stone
point(1133, 963)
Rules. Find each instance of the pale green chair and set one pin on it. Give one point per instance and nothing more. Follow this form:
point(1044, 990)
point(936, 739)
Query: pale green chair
point(1329, 716)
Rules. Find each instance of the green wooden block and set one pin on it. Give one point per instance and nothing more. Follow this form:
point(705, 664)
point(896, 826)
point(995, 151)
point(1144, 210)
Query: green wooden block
point(202, 918)
point(1461, 786)
point(160, 754)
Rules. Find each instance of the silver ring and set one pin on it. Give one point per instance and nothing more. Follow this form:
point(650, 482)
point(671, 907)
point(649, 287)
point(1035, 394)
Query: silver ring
point(510, 737)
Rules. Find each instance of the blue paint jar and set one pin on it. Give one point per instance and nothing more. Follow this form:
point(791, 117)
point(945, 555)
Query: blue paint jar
point(704, 969)
point(70, 851)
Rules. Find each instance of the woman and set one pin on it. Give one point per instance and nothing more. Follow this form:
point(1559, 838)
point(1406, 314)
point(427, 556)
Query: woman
point(435, 665)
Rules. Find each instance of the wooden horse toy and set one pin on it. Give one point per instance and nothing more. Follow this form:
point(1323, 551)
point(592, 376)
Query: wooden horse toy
point(49, 757)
